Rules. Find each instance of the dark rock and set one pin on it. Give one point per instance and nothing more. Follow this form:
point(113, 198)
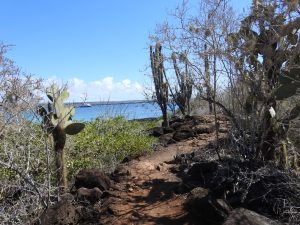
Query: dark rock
point(176, 125)
point(119, 173)
point(183, 135)
point(178, 159)
point(185, 127)
point(175, 120)
point(182, 167)
point(91, 195)
point(203, 171)
point(156, 131)
point(67, 197)
point(168, 130)
point(87, 215)
point(234, 198)
point(175, 169)
point(242, 216)
point(198, 158)
point(121, 170)
point(167, 139)
point(107, 194)
point(222, 183)
point(90, 178)
point(126, 159)
point(222, 117)
point(188, 117)
point(112, 210)
point(197, 193)
point(200, 119)
point(112, 206)
point(204, 129)
point(182, 188)
point(62, 213)
point(206, 208)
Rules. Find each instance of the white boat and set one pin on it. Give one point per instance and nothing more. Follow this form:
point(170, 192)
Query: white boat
point(86, 105)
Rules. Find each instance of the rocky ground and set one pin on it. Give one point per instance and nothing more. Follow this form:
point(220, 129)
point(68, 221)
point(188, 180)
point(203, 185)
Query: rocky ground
point(182, 182)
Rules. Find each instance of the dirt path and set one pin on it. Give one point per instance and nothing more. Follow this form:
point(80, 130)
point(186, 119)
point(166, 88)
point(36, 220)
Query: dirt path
point(144, 192)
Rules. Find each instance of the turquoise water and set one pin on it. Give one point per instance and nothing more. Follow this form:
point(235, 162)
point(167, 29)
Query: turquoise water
point(128, 110)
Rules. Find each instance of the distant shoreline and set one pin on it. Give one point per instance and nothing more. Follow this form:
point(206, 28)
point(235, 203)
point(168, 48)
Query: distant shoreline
point(109, 102)
point(76, 104)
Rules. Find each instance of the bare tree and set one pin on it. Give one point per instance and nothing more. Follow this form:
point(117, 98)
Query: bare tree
point(25, 188)
point(202, 37)
point(182, 92)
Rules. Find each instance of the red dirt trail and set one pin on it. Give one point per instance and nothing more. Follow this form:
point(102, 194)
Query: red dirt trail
point(145, 195)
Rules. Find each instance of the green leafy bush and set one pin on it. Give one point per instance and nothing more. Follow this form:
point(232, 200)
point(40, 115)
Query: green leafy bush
point(105, 142)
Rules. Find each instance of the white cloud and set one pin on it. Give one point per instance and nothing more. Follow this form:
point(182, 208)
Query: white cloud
point(101, 90)
point(126, 83)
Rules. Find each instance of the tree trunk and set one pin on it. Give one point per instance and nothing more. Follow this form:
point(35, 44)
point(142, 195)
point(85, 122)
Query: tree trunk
point(182, 109)
point(207, 80)
point(59, 137)
point(214, 105)
point(165, 117)
point(269, 139)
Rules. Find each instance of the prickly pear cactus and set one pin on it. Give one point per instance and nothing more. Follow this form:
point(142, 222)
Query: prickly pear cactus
point(268, 60)
point(62, 115)
point(58, 122)
point(289, 83)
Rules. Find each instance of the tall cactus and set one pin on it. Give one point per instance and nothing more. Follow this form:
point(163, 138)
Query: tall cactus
point(182, 95)
point(59, 123)
point(159, 79)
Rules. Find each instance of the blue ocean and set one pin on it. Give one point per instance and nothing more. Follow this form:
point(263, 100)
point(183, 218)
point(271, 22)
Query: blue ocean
point(130, 111)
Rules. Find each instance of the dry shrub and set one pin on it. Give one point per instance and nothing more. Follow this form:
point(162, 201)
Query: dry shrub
point(24, 178)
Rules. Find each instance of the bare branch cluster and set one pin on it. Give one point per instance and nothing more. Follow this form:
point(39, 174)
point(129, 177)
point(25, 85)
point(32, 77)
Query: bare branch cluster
point(25, 173)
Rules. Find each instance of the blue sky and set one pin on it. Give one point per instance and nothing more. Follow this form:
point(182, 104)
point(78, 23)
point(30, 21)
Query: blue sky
point(98, 47)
